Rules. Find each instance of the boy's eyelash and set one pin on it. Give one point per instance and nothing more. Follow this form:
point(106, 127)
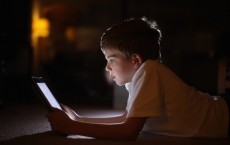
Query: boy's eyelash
point(111, 60)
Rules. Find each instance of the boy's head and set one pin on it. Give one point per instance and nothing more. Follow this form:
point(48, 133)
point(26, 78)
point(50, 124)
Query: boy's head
point(133, 36)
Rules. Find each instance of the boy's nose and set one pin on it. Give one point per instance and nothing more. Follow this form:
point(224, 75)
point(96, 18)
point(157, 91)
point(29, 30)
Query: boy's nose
point(107, 68)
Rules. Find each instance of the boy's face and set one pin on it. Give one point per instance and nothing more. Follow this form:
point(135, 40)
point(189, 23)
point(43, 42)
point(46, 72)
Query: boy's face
point(119, 67)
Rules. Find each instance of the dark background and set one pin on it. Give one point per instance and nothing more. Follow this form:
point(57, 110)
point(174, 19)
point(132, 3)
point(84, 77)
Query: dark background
point(195, 37)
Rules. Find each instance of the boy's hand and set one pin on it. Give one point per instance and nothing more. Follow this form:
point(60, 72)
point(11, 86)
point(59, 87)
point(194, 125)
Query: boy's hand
point(70, 112)
point(59, 121)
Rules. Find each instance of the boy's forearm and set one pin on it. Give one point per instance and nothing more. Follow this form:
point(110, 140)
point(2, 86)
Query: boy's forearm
point(128, 130)
point(105, 131)
point(113, 119)
point(99, 120)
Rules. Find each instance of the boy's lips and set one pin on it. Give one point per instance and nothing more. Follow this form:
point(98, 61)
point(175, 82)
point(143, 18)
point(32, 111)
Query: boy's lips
point(112, 76)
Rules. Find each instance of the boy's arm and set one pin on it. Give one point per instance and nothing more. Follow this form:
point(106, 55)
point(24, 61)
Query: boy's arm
point(103, 120)
point(128, 129)
point(110, 119)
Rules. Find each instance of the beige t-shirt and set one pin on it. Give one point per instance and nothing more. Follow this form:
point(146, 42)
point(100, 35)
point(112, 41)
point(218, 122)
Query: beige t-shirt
point(173, 107)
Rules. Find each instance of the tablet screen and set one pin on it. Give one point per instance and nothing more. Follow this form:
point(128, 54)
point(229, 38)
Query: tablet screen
point(49, 96)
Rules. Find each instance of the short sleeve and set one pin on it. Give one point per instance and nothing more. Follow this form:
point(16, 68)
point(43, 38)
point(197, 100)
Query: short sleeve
point(146, 99)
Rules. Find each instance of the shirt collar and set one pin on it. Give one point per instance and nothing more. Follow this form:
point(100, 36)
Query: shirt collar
point(128, 85)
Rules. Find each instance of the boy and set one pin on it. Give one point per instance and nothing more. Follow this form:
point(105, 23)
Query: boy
point(159, 102)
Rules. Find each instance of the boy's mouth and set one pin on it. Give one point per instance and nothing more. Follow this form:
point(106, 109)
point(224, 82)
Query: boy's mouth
point(112, 76)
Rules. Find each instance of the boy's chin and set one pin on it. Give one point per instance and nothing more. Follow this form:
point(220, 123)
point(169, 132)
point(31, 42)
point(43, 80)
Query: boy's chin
point(119, 83)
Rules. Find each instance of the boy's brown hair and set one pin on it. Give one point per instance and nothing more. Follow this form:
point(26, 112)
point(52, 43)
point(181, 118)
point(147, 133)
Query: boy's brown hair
point(134, 36)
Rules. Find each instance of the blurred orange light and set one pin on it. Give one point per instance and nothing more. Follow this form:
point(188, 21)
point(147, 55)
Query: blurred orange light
point(40, 27)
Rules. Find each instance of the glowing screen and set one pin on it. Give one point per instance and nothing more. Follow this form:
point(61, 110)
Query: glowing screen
point(49, 96)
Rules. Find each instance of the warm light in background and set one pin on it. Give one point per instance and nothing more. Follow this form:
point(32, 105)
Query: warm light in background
point(40, 27)
point(39, 35)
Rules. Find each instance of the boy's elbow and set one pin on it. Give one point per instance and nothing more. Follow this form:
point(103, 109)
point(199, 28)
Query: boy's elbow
point(134, 128)
point(133, 136)
point(127, 135)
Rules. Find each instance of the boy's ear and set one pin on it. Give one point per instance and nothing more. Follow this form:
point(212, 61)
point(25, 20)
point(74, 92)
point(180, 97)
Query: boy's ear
point(137, 60)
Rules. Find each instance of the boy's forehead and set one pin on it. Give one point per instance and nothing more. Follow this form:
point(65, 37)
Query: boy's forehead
point(112, 53)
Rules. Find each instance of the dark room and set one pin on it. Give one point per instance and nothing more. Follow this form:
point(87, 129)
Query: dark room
point(64, 46)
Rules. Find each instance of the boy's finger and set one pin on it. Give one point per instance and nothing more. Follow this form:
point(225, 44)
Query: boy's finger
point(66, 108)
point(55, 109)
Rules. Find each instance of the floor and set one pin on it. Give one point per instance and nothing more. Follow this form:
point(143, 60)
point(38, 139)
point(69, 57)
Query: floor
point(27, 124)
point(26, 119)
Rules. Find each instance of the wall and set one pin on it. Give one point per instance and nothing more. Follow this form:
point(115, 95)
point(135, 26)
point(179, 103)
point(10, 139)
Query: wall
point(195, 35)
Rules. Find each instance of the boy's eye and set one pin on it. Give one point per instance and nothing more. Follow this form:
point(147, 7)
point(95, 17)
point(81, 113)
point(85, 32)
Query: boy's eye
point(111, 61)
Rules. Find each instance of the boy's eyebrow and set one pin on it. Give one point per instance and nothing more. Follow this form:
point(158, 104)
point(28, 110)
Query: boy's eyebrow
point(112, 55)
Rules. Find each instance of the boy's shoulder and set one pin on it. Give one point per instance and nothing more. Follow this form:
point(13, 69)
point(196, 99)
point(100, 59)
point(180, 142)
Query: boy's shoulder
point(150, 64)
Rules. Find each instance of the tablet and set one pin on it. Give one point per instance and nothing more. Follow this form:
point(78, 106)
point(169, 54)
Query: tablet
point(44, 93)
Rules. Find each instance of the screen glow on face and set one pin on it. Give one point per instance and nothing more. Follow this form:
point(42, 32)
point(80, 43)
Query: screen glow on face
point(45, 90)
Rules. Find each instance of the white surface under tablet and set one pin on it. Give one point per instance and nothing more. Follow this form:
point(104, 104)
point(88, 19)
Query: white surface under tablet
point(49, 96)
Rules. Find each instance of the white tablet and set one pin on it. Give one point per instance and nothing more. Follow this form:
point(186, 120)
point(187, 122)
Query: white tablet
point(45, 94)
